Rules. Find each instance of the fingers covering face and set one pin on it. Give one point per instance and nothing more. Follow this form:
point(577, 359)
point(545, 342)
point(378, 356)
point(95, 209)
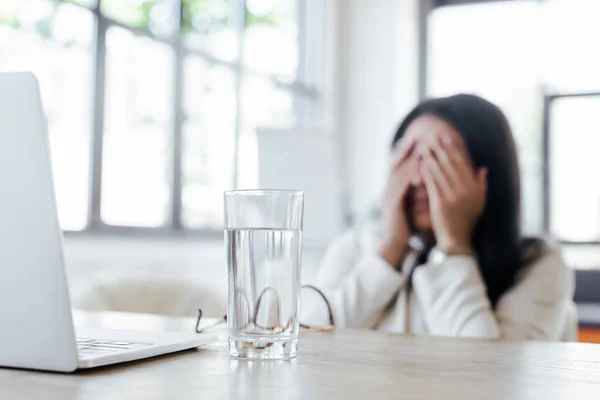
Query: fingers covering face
point(402, 151)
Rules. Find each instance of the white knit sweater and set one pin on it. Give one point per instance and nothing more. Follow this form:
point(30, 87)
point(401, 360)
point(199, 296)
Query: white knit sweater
point(448, 299)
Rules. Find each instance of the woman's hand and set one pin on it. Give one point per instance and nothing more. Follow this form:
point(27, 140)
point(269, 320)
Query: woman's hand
point(456, 194)
point(396, 231)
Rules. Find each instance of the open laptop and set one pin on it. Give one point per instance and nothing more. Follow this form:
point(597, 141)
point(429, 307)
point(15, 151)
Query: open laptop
point(36, 327)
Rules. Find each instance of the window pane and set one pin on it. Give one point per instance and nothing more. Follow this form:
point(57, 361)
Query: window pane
point(156, 15)
point(55, 43)
point(264, 105)
point(571, 40)
point(471, 50)
point(248, 159)
point(271, 37)
point(138, 126)
point(574, 163)
point(208, 142)
point(208, 26)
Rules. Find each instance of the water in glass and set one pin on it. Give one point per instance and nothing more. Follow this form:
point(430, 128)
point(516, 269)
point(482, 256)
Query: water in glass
point(264, 280)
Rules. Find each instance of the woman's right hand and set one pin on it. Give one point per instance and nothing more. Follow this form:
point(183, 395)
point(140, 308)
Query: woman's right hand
point(396, 231)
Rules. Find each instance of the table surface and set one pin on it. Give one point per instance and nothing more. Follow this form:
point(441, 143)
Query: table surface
point(346, 364)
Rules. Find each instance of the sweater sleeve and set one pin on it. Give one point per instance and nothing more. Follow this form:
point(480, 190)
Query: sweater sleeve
point(454, 301)
point(357, 284)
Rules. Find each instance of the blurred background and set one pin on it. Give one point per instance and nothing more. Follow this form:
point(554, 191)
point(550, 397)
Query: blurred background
point(155, 107)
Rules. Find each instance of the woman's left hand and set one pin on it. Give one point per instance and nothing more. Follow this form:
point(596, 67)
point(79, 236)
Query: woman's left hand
point(456, 194)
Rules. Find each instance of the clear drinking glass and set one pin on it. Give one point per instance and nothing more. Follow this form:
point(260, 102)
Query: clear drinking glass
point(263, 240)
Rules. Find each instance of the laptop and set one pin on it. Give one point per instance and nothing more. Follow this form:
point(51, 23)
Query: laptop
point(36, 326)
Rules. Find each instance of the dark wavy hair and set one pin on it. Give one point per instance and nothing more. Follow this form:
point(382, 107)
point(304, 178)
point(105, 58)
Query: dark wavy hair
point(501, 250)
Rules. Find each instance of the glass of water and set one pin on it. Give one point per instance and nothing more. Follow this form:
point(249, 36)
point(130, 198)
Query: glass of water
point(263, 240)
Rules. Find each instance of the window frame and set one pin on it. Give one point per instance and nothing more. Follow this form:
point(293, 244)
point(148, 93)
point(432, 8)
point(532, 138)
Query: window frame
point(307, 47)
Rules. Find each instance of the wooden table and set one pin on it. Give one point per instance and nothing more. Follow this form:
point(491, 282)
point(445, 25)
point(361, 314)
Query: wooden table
point(341, 365)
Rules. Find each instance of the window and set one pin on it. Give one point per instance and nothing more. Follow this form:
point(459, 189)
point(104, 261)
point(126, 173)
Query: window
point(153, 105)
point(534, 59)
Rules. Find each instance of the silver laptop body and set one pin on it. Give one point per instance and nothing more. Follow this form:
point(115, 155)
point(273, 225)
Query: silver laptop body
point(36, 326)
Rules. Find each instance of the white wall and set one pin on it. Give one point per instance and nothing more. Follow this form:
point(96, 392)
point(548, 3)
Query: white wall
point(375, 84)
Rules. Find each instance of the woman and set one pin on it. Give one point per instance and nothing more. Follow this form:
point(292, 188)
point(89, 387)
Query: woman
point(450, 259)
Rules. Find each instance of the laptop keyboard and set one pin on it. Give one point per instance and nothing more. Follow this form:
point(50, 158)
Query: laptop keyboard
point(98, 346)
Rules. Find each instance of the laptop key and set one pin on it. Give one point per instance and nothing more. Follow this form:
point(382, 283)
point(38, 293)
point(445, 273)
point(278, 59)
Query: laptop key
point(95, 351)
point(107, 347)
point(97, 346)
